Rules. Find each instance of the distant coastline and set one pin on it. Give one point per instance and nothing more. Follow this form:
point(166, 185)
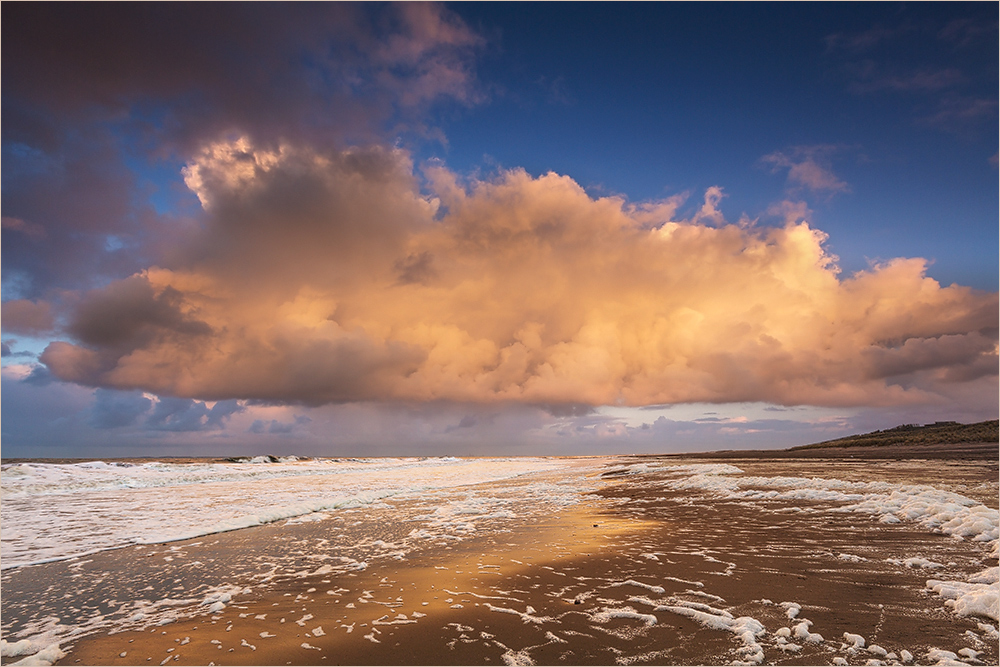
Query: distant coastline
point(938, 433)
point(940, 440)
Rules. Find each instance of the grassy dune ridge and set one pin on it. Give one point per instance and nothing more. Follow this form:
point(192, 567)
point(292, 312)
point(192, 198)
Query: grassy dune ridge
point(913, 434)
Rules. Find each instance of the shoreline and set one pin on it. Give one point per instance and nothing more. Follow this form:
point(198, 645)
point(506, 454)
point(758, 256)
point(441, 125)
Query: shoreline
point(599, 582)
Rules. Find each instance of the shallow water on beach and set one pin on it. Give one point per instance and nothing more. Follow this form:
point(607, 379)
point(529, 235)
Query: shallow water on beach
point(57, 511)
point(535, 561)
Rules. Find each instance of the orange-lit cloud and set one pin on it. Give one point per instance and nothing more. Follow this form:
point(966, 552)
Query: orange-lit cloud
point(341, 276)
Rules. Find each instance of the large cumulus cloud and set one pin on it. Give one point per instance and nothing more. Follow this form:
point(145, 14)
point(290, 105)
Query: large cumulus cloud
point(326, 275)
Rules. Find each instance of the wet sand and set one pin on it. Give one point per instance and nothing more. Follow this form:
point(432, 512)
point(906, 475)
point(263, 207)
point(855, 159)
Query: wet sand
point(542, 589)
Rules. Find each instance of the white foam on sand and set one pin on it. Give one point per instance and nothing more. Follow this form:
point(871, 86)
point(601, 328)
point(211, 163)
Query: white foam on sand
point(746, 629)
point(937, 510)
point(942, 657)
point(675, 601)
point(44, 657)
point(39, 650)
point(527, 616)
point(942, 511)
point(801, 631)
point(978, 596)
point(607, 614)
point(632, 582)
point(37, 654)
point(792, 609)
point(915, 561)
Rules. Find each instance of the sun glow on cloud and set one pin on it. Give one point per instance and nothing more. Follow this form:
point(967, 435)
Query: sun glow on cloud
point(336, 276)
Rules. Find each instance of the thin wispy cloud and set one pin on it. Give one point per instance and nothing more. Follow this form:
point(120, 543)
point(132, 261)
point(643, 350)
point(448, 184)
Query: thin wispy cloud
point(880, 61)
point(809, 168)
point(865, 40)
point(31, 230)
point(964, 32)
point(927, 80)
point(957, 114)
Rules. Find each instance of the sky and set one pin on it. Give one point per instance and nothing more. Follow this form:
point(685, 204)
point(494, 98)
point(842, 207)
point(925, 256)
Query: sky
point(335, 229)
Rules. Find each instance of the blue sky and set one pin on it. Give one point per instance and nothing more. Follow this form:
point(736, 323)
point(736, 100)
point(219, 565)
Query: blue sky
point(494, 228)
point(652, 101)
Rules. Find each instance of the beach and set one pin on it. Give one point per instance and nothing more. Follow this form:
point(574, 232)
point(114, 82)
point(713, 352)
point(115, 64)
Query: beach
point(627, 560)
point(482, 333)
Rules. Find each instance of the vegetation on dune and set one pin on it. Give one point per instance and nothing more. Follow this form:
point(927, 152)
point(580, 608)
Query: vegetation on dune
point(938, 433)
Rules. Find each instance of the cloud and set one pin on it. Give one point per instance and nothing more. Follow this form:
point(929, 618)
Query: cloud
point(709, 211)
point(427, 56)
point(115, 409)
point(964, 31)
point(220, 413)
point(255, 68)
point(958, 113)
point(308, 285)
point(70, 188)
point(808, 167)
point(56, 420)
point(124, 315)
point(791, 212)
point(931, 67)
point(90, 124)
point(179, 414)
point(26, 317)
point(568, 410)
point(416, 268)
point(39, 376)
point(277, 427)
point(926, 80)
point(865, 40)
point(29, 229)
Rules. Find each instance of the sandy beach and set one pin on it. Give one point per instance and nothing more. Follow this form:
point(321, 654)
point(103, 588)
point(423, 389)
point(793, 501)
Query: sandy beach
point(650, 566)
point(402, 333)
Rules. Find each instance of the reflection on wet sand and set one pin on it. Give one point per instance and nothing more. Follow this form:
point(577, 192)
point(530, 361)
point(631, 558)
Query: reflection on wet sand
point(658, 561)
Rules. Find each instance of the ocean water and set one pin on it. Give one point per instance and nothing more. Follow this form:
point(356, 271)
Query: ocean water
point(698, 542)
point(58, 511)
